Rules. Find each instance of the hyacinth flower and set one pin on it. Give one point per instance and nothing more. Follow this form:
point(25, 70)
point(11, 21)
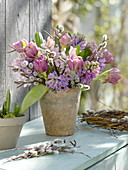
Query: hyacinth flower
point(79, 40)
point(90, 71)
point(56, 82)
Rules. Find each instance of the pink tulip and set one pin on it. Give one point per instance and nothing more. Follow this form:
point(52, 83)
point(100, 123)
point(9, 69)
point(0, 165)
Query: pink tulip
point(75, 63)
point(65, 40)
point(40, 64)
point(20, 45)
point(107, 56)
point(113, 76)
point(31, 50)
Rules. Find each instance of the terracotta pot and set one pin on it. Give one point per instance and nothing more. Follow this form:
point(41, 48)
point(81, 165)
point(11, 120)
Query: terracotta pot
point(59, 111)
point(10, 129)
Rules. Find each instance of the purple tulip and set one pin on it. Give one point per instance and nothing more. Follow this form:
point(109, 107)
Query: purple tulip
point(75, 63)
point(40, 64)
point(113, 76)
point(65, 40)
point(107, 56)
point(20, 45)
point(31, 50)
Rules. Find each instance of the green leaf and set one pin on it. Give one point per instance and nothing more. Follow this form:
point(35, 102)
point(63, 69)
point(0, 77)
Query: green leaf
point(77, 49)
point(67, 50)
point(85, 53)
point(33, 41)
point(102, 74)
point(43, 75)
point(38, 38)
point(10, 115)
point(69, 34)
point(1, 114)
point(33, 96)
point(16, 110)
point(8, 101)
point(4, 108)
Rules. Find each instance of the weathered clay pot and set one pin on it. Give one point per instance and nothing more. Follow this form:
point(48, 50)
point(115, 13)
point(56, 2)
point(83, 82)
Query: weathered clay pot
point(59, 111)
point(10, 129)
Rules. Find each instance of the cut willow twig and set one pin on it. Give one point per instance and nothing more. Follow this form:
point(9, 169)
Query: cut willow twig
point(49, 147)
point(47, 33)
point(111, 120)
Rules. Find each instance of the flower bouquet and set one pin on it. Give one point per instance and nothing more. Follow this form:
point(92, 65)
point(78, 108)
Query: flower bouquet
point(60, 64)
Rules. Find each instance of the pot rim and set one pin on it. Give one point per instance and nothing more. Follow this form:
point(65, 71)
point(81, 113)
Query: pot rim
point(13, 121)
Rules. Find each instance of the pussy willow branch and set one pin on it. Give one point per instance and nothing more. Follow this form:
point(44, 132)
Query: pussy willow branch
point(99, 48)
point(105, 104)
point(57, 36)
point(56, 68)
point(21, 83)
point(7, 150)
point(12, 50)
point(47, 33)
point(59, 59)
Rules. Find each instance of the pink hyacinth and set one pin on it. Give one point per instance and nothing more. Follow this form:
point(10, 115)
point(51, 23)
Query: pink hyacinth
point(113, 76)
point(107, 56)
point(31, 50)
point(40, 64)
point(65, 40)
point(20, 45)
point(75, 63)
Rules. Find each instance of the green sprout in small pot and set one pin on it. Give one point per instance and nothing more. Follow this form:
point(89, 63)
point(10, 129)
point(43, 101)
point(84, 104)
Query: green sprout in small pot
point(5, 112)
